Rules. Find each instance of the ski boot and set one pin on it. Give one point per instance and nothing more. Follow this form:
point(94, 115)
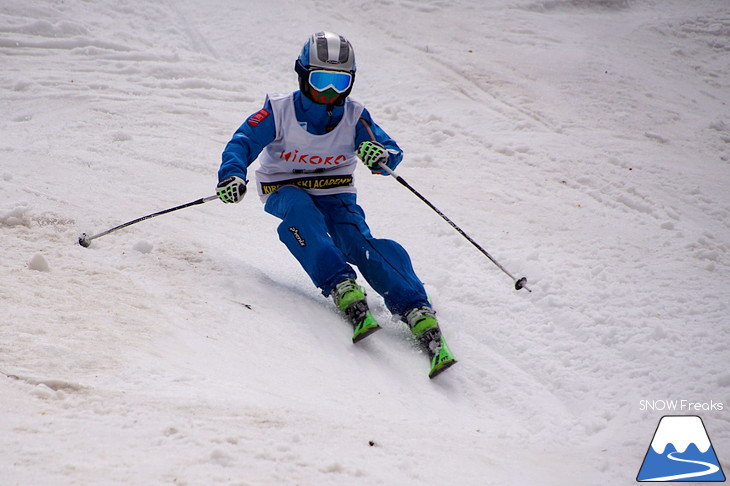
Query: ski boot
point(349, 298)
point(423, 324)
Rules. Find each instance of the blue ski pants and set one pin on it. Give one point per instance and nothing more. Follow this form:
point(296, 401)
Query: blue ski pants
point(328, 234)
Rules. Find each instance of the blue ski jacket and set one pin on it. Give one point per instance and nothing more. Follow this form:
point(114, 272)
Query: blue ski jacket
point(259, 130)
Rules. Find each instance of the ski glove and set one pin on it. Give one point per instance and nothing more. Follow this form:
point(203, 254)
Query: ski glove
point(372, 155)
point(231, 189)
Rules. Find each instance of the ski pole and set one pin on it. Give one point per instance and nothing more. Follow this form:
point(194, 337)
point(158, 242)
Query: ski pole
point(520, 283)
point(85, 239)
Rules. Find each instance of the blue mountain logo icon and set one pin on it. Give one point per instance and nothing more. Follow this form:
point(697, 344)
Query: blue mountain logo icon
point(681, 451)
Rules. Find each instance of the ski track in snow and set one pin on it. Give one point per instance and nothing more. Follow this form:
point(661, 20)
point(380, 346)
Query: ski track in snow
point(584, 143)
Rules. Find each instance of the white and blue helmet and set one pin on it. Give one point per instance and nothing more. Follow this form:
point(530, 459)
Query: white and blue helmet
point(326, 68)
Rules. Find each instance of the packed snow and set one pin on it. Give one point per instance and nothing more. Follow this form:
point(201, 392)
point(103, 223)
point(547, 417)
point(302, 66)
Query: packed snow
point(584, 143)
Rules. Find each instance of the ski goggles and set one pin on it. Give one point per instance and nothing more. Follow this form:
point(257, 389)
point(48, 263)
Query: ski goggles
point(321, 80)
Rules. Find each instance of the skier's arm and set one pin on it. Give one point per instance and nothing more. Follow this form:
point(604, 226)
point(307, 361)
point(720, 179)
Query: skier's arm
point(247, 143)
point(395, 154)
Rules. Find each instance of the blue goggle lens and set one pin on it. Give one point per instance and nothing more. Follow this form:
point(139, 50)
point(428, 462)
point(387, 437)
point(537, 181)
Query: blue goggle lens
point(338, 80)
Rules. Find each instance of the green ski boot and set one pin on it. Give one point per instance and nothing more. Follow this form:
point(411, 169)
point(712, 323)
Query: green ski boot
point(424, 326)
point(349, 298)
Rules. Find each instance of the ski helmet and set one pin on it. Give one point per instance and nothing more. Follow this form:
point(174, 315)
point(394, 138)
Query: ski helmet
point(326, 68)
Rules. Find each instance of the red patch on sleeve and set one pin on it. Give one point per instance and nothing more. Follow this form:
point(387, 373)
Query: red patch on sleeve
point(258, 117)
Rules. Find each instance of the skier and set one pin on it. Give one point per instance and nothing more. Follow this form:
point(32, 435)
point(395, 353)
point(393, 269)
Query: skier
point(308, 143)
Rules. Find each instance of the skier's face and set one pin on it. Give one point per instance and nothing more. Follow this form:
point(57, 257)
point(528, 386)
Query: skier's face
point(326, 97)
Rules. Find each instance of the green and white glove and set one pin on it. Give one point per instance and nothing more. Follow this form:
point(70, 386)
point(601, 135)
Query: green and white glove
point(372, 155)
point(231, 189)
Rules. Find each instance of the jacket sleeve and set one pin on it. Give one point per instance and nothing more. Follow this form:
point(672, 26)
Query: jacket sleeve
point(362, 135)
point(257, 132)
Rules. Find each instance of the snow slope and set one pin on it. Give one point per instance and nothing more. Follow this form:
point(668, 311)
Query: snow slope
point(584, 143)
